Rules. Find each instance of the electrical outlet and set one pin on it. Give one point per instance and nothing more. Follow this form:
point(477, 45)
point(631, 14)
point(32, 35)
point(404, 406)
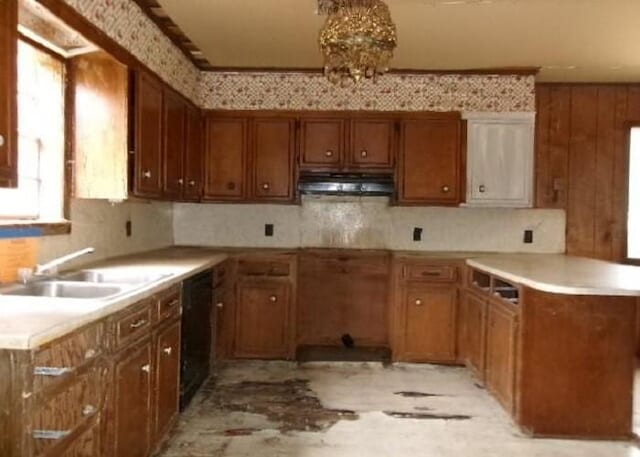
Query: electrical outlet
point(128, 228)
point(417, 234)
point(528, 236)
point(268, 229)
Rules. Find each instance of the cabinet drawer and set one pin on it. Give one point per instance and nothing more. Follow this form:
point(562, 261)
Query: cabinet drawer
point(134, 324)
point(169, 304)
point(65, 356)
point(264, 267)
point(345, 264)
point(431, 272)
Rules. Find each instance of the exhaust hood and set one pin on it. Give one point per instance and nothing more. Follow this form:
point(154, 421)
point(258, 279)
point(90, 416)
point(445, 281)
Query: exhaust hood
point(363, 184)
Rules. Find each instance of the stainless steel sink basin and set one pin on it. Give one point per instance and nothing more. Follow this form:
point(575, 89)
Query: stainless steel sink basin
point(113, 277)
point(64, 289)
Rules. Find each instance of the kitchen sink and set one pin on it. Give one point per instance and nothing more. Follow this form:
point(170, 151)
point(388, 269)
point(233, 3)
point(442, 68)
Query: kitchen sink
point(64, 289)
point(113, 277)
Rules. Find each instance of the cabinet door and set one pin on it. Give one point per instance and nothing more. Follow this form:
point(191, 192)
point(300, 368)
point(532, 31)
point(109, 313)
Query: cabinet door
point(430, 323)
point(167, 384)
point(225, 154)
point(132, 415)
point(322, 143)
point(173, 145)
point(475, 333)
point(502, 334)
point(224, 321)
point(500, 163)
point(8, 93)
point(147, 179)
point(372, 144)
point(193, 155)
point(429, 161)
point(262, 319)
point(273, 143)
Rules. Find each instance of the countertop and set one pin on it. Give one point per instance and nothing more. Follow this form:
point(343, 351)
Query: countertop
point(29, 322)
point(562, 274)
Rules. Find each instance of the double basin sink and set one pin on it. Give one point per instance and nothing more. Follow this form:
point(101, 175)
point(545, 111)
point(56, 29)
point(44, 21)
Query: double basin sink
point(85, 284)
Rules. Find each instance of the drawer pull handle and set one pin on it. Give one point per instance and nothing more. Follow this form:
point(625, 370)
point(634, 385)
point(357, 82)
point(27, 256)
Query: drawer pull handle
point(192, 183)
point(168, 350)
point(273, 299)
point(418, 302)
point(138, 324)
point(146, 174)
point(172, 303)
point(430, 273)
point(329, 153)
point(220, 305)
point(266, 186)
point(146, 368)
point(51, 434)
point(52, 371)
point(91, 353)
point(89, 410)
point(445, 189)
point(180, 181)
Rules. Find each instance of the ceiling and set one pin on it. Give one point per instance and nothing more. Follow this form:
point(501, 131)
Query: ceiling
point(571, 40)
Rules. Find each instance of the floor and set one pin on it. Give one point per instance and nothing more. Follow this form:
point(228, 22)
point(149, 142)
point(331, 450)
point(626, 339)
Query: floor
point(358, 409)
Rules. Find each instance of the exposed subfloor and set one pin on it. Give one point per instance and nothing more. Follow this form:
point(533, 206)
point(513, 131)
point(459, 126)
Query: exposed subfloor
point(358, 409)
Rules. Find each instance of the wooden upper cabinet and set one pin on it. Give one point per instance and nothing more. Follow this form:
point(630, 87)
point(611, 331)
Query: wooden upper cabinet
point(429, 161)
point(193, 154)
point(173, 144)
point(273, 146)
point(322, 143)
point(372, 144)
point(147, 137)
point(225, 158)
point(8, 93)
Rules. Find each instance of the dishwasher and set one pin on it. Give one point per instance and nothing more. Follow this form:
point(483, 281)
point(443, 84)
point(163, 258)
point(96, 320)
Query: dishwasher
point(197, 334)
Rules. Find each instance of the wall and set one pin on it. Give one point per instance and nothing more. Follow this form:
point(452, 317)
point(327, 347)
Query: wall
point(102, 225)
point(368, 223)
point(582, 162)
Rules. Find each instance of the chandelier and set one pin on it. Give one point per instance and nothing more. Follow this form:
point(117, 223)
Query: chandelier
point(357, 40)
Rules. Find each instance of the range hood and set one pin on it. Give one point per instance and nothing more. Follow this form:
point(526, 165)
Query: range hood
point(363, 184)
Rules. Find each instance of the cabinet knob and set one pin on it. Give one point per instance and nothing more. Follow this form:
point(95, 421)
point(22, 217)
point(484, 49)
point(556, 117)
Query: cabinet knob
point(89, 410)
point(180, 182)
point(364, 153)
point(445, 189)
point(329, 153)
point(168, 350)
point(418, 302)
point(266, 186)
point(192, 183)
point(146, 174)
point(482, 188)
point(138, 323)
point(273, 299)
point(231, 185)
point(1, 140)
point(146, 368)
point(220, 305)
point(90, 353)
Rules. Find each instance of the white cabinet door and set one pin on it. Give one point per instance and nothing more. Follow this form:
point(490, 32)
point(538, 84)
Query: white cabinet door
point(500, 162)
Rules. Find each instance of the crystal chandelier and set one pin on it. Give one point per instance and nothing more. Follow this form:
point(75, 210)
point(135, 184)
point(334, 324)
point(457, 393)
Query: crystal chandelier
point(357, 40)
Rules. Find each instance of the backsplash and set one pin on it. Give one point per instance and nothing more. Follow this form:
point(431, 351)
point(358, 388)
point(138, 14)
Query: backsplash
point(369, 223)
point(102, 225)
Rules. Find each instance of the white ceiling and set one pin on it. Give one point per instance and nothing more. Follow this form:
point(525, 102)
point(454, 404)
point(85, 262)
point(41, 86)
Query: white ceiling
point(572, 40)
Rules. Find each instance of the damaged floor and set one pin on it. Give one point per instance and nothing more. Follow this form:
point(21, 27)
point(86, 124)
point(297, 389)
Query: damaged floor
point(357, 409)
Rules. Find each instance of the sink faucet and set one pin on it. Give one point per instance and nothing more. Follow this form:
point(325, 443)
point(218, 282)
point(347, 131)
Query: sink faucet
point(51, 268)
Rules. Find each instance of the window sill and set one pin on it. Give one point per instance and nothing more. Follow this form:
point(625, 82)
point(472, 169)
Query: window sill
point(39, 228)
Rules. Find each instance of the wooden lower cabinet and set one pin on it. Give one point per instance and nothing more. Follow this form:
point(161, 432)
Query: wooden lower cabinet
point(167, 375)
point(262, 318)
point(430, 323)
point(475, 311)
point(132, 401)
point(502, 338)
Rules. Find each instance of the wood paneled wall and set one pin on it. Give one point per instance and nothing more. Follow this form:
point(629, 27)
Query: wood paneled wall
point(582, 162)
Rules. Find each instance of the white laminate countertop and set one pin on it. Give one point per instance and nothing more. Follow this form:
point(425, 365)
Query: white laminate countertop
point(29, 322)
point(563, 274)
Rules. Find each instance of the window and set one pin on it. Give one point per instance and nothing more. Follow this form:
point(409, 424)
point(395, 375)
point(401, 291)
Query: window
point(41, 125)
point(633, 227)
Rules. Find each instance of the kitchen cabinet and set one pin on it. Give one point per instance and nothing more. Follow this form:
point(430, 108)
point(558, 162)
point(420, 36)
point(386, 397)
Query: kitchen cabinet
point(322, 143)
point(147, 152)
point(167, 387)
point(502, 336)
point(173, 144)
point(354, 303)
point(273, 159)
point(425, 310)
point(193, 154)
point(475, 312)
point(500, 152)
point(225, 158)
point(372, 144)
point(8, 93)
point(264, 307)
point(429, 161)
